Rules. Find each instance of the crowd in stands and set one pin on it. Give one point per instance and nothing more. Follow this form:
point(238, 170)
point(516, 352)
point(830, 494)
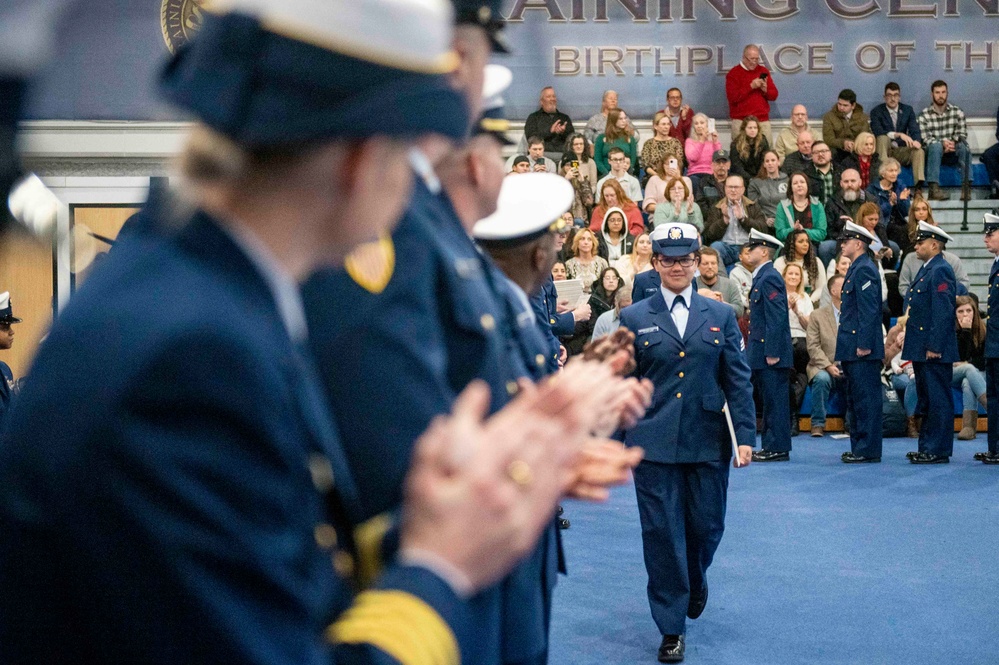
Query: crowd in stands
point(802, 186)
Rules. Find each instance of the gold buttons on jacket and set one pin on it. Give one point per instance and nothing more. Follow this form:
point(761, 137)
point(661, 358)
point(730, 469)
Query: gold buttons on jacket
point(646, 342)
point(325, 536)
point(553, 321)
point(920, 327)
point(511, 387)
point(680, 375)
point(540, 360)
point(679, 395)
point(321, 471)
point(682, 354)
point(488, 322)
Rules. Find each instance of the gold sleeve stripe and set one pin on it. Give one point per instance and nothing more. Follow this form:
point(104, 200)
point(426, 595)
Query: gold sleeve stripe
point(399, 624)
point(368, 539)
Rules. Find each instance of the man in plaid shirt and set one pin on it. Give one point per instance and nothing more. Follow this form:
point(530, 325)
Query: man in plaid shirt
point(945, 137)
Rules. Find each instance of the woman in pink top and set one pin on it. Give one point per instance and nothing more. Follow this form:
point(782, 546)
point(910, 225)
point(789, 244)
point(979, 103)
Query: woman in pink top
point(700, 148)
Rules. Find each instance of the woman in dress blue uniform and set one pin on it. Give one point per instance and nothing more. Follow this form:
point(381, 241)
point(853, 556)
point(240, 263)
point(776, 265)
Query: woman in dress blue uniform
point(769, 349)
point(992, 340)
point(860, 345)
point(690, 348)
point(931, 345)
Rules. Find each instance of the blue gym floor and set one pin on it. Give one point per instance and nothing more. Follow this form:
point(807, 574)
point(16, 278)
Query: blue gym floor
point(821, 563)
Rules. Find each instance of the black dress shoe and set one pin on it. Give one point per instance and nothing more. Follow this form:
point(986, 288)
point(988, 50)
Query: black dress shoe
point(563, 523)
point(770, 456)
point(991, 458)
point(912, 454)
point(980, 457)
point(929, 458)
point(671, 649)
point(850, 458)
point(560, 511)
point(695, 606)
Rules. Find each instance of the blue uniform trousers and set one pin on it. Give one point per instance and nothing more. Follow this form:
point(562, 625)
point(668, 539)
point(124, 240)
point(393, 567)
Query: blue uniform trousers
point(935, 404)
point(864, 406)
point(773, 384)
point(992, 397)
point(682, 509)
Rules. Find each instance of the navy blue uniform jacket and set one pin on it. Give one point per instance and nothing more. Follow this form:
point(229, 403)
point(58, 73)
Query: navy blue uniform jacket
point(551, 324)
point(646, 285)
point(932, 318)
point(693, 378)
point(769, 330)
point(166, 474)
point(992, 325)
point(6, 392)
point(860, 315)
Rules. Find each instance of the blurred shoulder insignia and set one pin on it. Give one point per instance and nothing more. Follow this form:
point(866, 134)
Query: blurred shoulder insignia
point(942, 287)
point(715, 329)
point(371, 265)
point(179, 20)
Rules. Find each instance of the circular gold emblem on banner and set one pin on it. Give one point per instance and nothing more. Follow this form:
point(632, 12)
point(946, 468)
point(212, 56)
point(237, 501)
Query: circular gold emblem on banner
point(179, 20)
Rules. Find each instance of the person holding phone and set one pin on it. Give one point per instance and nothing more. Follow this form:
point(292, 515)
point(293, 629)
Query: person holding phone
point(750, 89)
point(661, 145)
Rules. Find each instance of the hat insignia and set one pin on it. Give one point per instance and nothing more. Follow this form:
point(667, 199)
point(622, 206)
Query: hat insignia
point(179, 21)
point(675, 233)
point(485, 14)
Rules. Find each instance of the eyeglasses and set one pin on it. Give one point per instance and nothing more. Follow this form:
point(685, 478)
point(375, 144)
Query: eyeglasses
point(821, 151)
point(617, 159)
point(670, 261)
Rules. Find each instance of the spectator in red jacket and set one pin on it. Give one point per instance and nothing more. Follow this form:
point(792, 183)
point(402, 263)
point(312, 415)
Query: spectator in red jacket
point(750, 89)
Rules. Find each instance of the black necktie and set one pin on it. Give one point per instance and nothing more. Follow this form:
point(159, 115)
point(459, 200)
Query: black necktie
point(678, 300)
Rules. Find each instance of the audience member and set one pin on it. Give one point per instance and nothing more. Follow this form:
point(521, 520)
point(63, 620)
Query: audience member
point(711, 284)
point(619, 171)
point(822, 172)
point(536, 157)
point(990, 158)
point(748, 148)
point(800, 251)
point(787, 139)
point(615, 237)
point(896, 129)
point(885, 251)
point(679, 208)
point(769, 186)
point(969, 374)
point(680, 115)
point(800, 159)
point(655, 189)
point(617, 134)
point(580, 170)
point(742, 274)
point(605, 288)
point(864, 159)
point(639, 261)
point(613, 195)
point(549, 124)
point(945, 137)
point(710, 190)
point(728, 223)
point(661, 146)
point(919, 211)
point(598, 121)
point(585, 264)
point(842, 123)
point(902, 374)
point(558, 271)
point(800, 211)
point(837, 266)
point(750, 89)
point(824, 374)
point(565, 252)
point(519, 164)
point(800, 309)
point(839, 209)
point(892, 199)
point(610, 321)
point(700, 148)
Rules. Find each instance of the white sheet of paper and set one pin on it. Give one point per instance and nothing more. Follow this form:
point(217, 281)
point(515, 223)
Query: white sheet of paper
point(571, 290)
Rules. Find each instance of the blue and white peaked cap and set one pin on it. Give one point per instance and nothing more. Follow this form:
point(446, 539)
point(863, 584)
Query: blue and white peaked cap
point(757, 238)
point(851, 230)
point(991, 221)
point(6, 311)
point(270, 73)
point(927, 231)
point(529, 206)
point(675, 239)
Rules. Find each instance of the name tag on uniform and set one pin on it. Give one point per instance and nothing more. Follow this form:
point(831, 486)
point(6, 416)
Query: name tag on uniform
point(648, 330)
point(864, 287)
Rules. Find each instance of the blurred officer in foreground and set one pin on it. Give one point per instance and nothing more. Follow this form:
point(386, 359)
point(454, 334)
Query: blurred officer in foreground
point(690, 348)
point(172, 488)
point(7, 385)
point(860, 345)
point(931, 345)
point(769, 349)
point(992, 340)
